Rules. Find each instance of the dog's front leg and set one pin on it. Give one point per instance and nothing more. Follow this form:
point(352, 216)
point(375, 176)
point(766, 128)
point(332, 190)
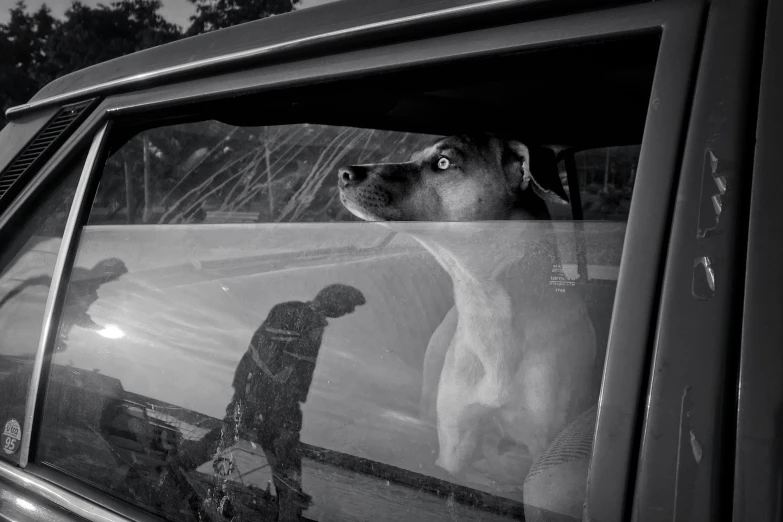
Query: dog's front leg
point(459, 409)
point(433, 364)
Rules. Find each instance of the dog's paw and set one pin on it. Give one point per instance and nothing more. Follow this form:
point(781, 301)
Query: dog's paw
point(452, 466)
point(506, 461)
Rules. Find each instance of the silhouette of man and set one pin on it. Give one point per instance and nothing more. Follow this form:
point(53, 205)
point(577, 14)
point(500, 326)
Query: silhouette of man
point(82, 293)
point(272, 380)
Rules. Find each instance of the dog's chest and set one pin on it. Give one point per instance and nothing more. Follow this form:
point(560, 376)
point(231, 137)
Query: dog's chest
point(485, 318)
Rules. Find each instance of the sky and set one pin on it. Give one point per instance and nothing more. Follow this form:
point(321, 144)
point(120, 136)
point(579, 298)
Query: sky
point(176, 11)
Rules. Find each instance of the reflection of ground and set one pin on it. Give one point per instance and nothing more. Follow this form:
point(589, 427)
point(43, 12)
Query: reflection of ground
point(338, 493)
point(83, 452)
point(341, 494)
point(188, 312)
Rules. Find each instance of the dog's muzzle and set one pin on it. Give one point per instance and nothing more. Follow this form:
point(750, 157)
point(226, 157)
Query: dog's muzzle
point(347, 176)
point(363, 194)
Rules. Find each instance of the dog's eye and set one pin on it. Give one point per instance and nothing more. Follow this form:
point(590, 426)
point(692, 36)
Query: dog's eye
point(443, 163)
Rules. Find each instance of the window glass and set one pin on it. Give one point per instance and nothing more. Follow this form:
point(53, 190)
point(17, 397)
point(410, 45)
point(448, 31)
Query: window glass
point(212, 172)
point(153, 371)
point(27, 260)
point(606, 178)
point(344, 311)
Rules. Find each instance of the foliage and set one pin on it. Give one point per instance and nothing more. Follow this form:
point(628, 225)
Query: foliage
point(180, 174)
point(217, 14)
point(214, 172)
point(92, 35)
point(23, 53)
point(36, 48)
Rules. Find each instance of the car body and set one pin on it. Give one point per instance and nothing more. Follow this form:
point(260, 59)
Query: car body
point(144, 275)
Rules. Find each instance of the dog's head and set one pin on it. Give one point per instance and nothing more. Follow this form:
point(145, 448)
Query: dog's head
point(459, 178)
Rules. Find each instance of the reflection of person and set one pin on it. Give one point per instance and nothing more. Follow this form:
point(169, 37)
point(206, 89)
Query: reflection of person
point(82, 293)
point(272, 379)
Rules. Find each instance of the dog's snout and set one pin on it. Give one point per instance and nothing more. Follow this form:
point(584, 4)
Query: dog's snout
point(350, 175)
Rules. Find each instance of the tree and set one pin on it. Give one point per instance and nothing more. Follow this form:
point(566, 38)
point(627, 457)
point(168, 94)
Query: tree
point(23, 44)
point(90, 35)
point(217, 14)
point(35, 48)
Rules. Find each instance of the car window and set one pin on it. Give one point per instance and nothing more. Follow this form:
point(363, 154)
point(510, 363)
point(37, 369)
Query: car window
point(606, 178)
point(26, 265)
point(342, 314)
point(213, 172)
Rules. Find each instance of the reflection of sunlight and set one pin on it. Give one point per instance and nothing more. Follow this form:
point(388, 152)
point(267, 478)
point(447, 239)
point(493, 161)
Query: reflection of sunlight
point(22, 503)
point(396, 415)
point(111, 331)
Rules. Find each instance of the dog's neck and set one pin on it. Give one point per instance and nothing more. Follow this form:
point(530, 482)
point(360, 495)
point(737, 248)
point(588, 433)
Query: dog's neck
point(499, 271)
point(488, 257)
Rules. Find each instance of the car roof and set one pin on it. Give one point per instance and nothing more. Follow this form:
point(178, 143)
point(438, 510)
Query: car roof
point(249, 43)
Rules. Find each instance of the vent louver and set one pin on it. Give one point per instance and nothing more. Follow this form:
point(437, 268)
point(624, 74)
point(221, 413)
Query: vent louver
point(40, 148)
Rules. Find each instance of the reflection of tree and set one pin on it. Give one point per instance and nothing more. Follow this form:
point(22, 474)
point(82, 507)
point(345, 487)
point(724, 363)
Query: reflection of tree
point(129, 200)
point(266, 174)
point(222, 173)
point(147, 175)
point(607, 167)
point(606, 178)
point(326, 161)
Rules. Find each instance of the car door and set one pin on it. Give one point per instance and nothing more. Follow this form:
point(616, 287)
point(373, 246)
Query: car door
point(685, 463)
point(204, 203)
point(756, 480)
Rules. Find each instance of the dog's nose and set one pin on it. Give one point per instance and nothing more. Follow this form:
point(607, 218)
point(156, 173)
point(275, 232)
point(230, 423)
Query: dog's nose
point(349, 175)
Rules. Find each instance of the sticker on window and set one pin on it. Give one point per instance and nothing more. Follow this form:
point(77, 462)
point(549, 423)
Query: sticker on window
point(12, 435)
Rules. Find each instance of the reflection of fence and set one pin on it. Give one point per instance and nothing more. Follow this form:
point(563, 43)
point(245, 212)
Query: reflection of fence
point(214, 269)
point(364, 477)
point(416, 481)
point(188, 431)
point(192, 429)
point(194, 424)
point(237, 266)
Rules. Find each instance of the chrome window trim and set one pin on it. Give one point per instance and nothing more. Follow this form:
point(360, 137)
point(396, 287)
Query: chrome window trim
point(622, 21)
point(59, 496)
point(67, 250)
point(232, 58)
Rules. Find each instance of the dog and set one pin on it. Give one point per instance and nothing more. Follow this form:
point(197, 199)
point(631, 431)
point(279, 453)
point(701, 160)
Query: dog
point(514, 354)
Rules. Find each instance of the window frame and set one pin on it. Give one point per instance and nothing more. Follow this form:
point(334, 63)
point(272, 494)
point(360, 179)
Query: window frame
point(757, 463)
point(62, 267)
point(624, 384)
point(686, 457)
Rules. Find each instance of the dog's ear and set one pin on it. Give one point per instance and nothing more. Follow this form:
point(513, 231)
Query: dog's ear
point(539, 172)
